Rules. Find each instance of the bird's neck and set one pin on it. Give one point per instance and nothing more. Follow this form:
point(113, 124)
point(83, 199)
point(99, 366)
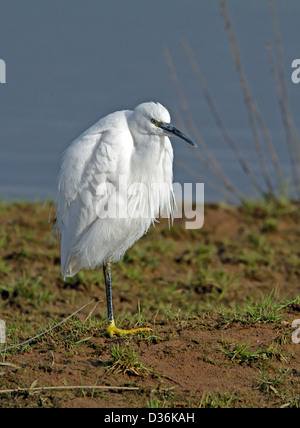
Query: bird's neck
point(149, 159)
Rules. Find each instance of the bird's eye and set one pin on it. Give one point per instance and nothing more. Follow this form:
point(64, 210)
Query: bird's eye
point(155, 122)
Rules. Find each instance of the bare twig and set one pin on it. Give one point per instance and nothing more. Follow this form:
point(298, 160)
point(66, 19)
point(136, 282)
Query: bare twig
point(218, 120)
point(68, 388)
point(250, 104)
point(212, 165)
point(45, 332)
point(199, 176)
point(270, 144)
point(277, 85)
point(192, 171)
point(290, 129)
point(90, 313)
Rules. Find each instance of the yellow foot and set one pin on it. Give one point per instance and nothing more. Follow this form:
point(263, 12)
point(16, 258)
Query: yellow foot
point(112, 330)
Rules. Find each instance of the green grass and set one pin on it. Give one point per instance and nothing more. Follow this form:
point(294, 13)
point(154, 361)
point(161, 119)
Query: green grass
point(270, 208)
point(269, 309)
point(241, 353)
point(193, 288)
point(268, 384)
point(161, 398)
point(126, 361)
point(217, 400)
point(32, 289)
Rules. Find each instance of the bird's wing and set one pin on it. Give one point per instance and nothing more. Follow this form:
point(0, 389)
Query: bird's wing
point(88, 173)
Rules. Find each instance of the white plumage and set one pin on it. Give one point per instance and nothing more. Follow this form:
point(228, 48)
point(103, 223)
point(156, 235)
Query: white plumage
point(115, 179)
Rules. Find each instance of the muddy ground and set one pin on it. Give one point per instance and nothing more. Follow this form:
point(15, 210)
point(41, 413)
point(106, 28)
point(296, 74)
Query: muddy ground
point(220, 302)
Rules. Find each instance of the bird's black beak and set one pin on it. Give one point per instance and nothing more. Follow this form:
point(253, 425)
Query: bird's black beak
point(170, 129)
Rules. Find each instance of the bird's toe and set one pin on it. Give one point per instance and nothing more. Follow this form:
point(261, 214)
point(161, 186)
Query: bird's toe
point(113, 331)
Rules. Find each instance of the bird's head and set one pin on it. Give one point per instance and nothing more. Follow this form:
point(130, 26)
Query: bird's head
point(154, 119)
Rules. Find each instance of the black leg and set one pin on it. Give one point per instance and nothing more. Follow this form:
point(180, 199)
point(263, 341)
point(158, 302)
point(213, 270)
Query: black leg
point(107, 277)
point(112, 330)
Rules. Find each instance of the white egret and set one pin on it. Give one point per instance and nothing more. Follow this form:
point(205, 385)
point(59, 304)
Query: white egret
point(115, 179)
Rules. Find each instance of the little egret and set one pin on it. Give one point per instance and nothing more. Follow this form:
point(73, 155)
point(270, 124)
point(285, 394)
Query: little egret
point(115, 180)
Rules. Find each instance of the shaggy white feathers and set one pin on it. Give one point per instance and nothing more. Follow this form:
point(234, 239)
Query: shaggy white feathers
point(114, 181)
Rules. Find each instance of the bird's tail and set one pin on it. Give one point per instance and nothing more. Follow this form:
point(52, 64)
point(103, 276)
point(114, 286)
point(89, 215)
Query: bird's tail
point(71, 268)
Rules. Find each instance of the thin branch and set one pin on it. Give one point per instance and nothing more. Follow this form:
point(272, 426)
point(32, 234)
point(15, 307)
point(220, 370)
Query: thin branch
point(90, 314)
point(213, 165)
point(68, 388)
point(270, 144)
point(249, 101)
point(291, 132)
point(205, 180)
point(194, 172)
point(45, 332)
point(277, 85)
point(218, 120)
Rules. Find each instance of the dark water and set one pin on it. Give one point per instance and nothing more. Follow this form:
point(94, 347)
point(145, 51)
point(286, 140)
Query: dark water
point(69, 62)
